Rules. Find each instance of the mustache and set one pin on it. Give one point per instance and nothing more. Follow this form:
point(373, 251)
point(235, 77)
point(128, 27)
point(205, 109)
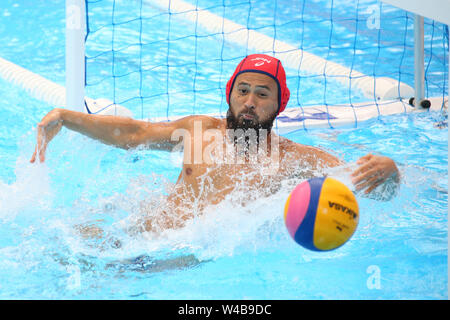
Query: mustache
point(250, 113)
point(238, 122)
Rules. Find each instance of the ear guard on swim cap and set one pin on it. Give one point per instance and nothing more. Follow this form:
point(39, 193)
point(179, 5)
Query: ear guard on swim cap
point(267, 65)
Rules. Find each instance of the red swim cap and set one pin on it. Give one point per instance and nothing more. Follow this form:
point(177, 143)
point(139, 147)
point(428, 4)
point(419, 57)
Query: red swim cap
point(267, 65)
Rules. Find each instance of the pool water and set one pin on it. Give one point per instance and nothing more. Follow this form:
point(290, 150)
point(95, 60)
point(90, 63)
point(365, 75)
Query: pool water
point(399, 250)
point(175, 67)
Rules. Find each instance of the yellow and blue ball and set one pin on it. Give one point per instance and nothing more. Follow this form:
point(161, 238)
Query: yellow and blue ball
point(321, 214)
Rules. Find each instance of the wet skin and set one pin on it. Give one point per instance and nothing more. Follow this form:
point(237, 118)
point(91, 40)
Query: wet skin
point(205, 179)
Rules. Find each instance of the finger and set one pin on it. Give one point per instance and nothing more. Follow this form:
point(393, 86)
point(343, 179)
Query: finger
point(41, 143)
point(33, 157)
point(366, 158)
point(366, 177)
point(42, 153)
point(374, 186)
point(43, 150)
point(38, 142)
point(368, 183)
point(362, 171)
point(48, 132)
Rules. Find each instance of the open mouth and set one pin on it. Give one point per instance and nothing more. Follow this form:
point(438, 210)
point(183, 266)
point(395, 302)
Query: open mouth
point(248, 116)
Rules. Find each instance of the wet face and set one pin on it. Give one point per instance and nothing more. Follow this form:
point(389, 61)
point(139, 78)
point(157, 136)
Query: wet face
point(253, 102)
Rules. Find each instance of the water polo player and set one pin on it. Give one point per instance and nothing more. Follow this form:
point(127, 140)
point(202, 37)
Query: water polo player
point(256, 93)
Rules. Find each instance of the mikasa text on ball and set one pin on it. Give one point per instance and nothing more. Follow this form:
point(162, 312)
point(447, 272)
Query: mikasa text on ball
point(321, 214)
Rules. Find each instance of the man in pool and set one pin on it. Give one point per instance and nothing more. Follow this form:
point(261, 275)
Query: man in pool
point(256, 94)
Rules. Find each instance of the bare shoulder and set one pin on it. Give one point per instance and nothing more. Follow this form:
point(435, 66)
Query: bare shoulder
point(294, 151)
point(290, 147)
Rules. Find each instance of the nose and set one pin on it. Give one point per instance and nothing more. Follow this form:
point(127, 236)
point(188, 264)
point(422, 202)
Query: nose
point(250, 102)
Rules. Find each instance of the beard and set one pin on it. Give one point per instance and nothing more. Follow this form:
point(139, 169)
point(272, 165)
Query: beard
point(239, 122)
point(248, 128)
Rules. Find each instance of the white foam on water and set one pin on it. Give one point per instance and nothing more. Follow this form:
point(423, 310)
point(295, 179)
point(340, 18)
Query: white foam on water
point(31, 190)
point(232, 226)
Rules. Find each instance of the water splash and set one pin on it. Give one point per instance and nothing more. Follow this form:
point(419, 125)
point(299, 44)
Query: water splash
point(30, 190)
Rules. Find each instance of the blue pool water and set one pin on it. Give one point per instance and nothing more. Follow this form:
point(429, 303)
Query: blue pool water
point(399, 250)
point(182, 68)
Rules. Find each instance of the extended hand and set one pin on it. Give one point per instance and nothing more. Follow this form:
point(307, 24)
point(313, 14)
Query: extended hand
point(373, 170)
point(49, 127)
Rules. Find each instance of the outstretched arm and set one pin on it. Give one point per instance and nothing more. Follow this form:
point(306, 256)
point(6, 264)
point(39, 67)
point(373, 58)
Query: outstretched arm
point(118, 131)
point(372, 171)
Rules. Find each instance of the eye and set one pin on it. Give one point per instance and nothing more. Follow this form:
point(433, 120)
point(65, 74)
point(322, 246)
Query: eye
point(243, 90)
point(263, 94)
